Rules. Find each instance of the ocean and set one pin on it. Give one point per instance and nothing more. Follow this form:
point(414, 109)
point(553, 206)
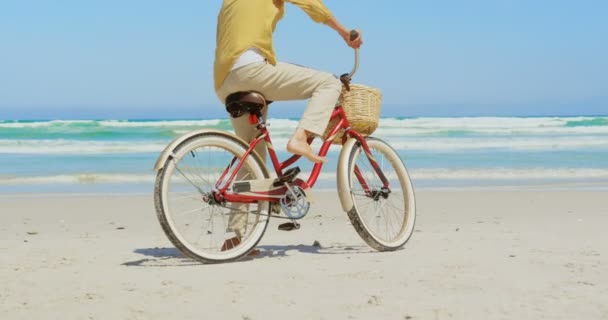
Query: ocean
point(117, 156)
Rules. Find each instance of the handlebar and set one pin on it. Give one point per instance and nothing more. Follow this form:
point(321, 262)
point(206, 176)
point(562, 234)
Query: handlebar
point(354, 35)
point(345, 78)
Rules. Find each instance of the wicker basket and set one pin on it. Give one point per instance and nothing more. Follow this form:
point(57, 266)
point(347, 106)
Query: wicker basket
point(362, 107)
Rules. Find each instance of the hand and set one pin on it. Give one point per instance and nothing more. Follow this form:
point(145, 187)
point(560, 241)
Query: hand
point(345, 33)
point(356, 43)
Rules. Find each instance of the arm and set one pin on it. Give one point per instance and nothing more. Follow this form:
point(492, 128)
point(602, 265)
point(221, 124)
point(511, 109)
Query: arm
point(319, 13)
point(345, 33)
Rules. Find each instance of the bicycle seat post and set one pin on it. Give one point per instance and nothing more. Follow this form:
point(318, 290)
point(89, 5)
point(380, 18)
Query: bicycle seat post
point(257, 120)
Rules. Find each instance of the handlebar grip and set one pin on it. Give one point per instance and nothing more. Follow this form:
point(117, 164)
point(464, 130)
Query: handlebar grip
point(353, 35)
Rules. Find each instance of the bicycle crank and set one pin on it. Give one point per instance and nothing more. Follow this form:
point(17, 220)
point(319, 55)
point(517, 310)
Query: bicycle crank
point(294, 203)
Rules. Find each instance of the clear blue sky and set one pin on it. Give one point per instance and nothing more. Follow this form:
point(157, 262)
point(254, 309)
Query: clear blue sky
point(153, 59)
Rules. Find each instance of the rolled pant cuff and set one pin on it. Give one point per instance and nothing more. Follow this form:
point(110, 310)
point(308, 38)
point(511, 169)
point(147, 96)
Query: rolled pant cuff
point(312, 129)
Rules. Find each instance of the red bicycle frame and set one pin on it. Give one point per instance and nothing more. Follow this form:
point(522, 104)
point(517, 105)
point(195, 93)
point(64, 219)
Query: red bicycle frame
point(342, 124)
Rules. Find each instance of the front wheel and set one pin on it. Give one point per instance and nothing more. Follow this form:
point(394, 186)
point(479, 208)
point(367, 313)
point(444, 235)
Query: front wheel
point(383, 216)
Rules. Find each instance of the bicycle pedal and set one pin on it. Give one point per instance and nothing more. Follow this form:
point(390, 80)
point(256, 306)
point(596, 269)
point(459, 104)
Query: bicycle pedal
point(289, 226)
point(288, 176)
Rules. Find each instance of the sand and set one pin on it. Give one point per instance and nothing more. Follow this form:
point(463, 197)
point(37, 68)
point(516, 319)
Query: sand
point(476, 254)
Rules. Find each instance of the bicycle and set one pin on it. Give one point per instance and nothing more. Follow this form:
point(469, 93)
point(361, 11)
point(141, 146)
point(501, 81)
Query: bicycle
point(207, 179)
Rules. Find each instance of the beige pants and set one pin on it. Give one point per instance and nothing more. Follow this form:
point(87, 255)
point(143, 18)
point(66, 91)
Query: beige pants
point(281, 83)
point(287, 82)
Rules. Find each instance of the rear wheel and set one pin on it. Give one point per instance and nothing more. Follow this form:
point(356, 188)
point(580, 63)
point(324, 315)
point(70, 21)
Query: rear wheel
point(384, 218)
point(194, 221)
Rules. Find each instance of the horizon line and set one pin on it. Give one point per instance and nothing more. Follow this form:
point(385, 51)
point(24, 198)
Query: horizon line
point(297, 118)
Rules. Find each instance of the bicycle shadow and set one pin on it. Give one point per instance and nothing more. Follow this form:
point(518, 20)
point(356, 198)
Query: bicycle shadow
point(160, 257)
point(171, 257)
point(277, 251)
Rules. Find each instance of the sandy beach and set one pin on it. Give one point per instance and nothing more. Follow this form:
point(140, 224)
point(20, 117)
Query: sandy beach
point(476, 254)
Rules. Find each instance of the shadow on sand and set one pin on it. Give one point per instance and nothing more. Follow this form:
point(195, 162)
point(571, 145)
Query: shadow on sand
point(282, 251)
point(171, 257)
point(161, 257)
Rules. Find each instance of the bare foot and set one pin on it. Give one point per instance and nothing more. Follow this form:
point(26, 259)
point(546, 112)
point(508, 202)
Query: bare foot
point(302, 148)
point(298, 145)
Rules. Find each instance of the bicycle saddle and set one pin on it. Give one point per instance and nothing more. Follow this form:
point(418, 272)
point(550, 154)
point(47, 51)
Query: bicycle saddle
point(242, 102)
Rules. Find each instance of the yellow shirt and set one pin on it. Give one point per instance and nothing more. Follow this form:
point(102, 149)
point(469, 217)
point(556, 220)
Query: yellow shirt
point(243, 24)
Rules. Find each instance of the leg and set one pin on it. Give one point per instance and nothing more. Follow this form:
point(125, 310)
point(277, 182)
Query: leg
point(237, 221)
point(291, 82)
point(248, 132)
point(279, 83)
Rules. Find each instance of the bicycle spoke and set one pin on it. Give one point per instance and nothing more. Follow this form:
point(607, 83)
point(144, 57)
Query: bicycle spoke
point(392, 222)
point(363, 194)
point(195, 198)
point(365, 205)
point(211, 230)
point(395, 207)
point(197, 173)
point(235, 210)
point(196, 168)
point(193, 210)
point(190, 181)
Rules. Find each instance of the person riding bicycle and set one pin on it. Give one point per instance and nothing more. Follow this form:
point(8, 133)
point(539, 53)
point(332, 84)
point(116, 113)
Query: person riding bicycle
point(245, 61)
